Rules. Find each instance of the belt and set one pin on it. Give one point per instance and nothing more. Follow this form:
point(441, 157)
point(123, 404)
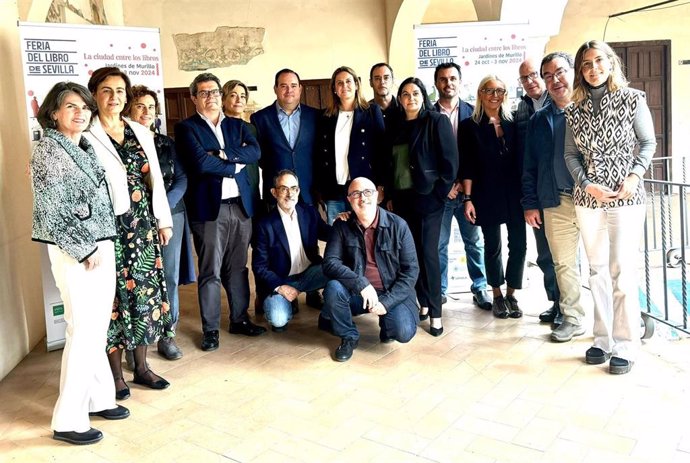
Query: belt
point(566, 191)
point(235, 200)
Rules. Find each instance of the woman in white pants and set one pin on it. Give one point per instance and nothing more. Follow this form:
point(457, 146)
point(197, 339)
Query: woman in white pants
point(73, 214)
point(606, 121)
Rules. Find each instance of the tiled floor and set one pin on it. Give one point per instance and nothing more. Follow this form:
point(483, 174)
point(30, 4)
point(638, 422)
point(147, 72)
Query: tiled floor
point(486, 391)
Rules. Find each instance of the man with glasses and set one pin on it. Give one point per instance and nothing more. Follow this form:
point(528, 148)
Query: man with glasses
point(285, 256)
point(447, 80)
point(371, 262)
point(534, 99)
point(215, 149)
point(548, 185)
point(382, 82)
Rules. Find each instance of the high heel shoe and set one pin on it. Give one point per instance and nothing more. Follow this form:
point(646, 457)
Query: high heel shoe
point(160, 383)
point(436, 328)
point(122, 394)
point(423, 315)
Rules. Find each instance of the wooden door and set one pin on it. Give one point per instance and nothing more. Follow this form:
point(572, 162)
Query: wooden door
point(647, 66)
point(178, 106)
point(315, 93)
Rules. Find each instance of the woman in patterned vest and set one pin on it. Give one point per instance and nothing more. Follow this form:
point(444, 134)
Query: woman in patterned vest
point(72, 213)
point(606, 120)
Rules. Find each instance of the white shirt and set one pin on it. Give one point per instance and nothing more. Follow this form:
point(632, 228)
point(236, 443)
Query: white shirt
point(342, 145)
point(452, 114)
point(298, 258)
point(230, 188)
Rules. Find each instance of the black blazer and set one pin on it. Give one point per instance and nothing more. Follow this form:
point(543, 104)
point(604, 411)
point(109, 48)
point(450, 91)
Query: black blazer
point(495, 172)
point(365, 157)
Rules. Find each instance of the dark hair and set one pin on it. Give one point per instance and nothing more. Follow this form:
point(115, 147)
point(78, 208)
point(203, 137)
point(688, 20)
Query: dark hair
point(556, 54)
point(284, 172)
point(286, 71)
point(56, 96)
point(139, 91)
point(333, 105)
point(200, 79)
point(378, 65)
point(99, 75)
point(426, 104)
point(447, 66)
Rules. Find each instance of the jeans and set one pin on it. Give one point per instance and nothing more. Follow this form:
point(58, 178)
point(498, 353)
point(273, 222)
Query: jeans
point(563, 234)
point(335, 207)
point(493, 259)
point(171, 264)
point(612, 238)
point(278, 310)
point(398, 323)
point(474, 246)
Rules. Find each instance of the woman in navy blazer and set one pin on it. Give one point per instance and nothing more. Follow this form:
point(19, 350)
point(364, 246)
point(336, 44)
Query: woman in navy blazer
point(350, 141)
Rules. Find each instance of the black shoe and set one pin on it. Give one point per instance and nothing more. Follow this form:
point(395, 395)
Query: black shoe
point(279, 329)
point(444, 299)
point(435, 331)
point(122, 394)
point(246, 328)
point(566, 331)
point(159, 383)
point(513, 308)
point(168, 349)
point(549, 315)
point(210, 341)
point(343, 352)
point(499, 308)
point(117, 413)
point(481, 299)
point(596, 356)
point(79, 438)
point(315, 299)
point(559, 319)
point(383, 337)
point(325, 324)
point(423, 316)
point(619, 366)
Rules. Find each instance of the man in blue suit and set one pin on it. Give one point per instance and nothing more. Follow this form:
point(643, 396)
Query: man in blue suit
point(215, 149)
point(447, 79)
point(286, 131)
point(285, 256)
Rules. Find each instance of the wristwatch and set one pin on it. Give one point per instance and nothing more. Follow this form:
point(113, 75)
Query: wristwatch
point(466, 198)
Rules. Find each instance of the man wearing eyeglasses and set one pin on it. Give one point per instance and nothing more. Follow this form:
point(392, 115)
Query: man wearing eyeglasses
point(382, 82)
point(215, 149)
point(285, 256)
point(371, 263)
point(534, 99)
point(548, 185)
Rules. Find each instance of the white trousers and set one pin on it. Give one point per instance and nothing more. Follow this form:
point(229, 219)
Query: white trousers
point(86, 382)
point(611, 238)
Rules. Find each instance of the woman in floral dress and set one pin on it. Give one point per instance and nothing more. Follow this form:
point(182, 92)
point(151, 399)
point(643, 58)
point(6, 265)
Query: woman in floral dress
point(141, 312)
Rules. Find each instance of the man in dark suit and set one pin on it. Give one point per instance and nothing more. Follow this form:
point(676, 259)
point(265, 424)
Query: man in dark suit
point(371, 262)
point(286, 131)
point(215, 149)
point(447, 79)
point(285, 256)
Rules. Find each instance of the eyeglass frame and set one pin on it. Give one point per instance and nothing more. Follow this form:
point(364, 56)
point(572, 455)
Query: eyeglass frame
point(533, 76)
point(556, 76)
point(282, 189)
point(209, 93)
point(494, 91)
point(356, 194)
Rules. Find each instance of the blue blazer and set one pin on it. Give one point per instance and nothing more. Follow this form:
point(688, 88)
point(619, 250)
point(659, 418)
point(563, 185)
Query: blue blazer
point(198, 149)
point(276, 153)
point(271, 251)
point(365, 158)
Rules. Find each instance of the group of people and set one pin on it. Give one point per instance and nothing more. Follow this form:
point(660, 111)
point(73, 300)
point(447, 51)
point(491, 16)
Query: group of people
point(118, 205)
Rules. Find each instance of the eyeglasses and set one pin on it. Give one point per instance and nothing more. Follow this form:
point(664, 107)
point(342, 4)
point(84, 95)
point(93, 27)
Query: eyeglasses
point(531, 76)
point(358, 194)
point(560, 72)
point(494, 91)
point(208, 93)
point(283, 190)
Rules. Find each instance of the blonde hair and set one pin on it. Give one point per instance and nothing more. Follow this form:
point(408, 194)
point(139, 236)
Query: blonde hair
point(616, 79)
point(334, 101)
point(503, 111)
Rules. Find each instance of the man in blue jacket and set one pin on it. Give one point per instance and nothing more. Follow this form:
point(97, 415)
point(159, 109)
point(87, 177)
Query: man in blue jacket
point(548, 185)
point(447, 79)
point(214, 150)
point(285, 256)
point(371, 262)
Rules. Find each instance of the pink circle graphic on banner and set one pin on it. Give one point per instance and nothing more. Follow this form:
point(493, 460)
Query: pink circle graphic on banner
point(30, 93)
point(143, 45)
